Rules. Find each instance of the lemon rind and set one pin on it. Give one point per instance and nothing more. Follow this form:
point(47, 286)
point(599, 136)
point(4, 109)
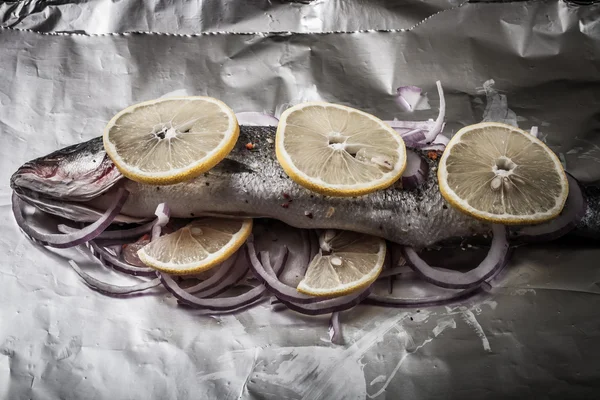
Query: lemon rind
point(236, 242)
point(316, 184)
point(506, 219)
point(178, 175)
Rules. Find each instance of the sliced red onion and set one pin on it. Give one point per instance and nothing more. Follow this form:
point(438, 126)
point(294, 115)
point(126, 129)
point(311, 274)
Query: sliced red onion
point(438, 144)
point(407, 127)
point(278, 288)
point(409, 98)
point(276, 304)
point(495, 260)
point(313, 238)
point(223, 304)
point(116, 249)
point(340, 303)
point(131, 233)
point(416, 171)
point(438, 300)
point(60, 240)
point(112, 261)
point(162, 218)
point(300, 253)
point(419, 138)
point(111, 244)
point(534, 131)
point(109, 289)
point(386, 273)
point(217, 278)
point(256, 119)
point(565, 222)
point(335, 329)
point(322, 305)
point(236, 274)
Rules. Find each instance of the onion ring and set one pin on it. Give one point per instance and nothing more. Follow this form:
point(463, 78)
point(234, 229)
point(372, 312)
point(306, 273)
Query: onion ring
point(112, 290)
point(335, 329)
point(416, 170)
point(114, 262)
point(565, 222)
point(234, 275)
point(495, 260)
point(61, 240)
point(325, 306)
point(215, 279)
point(328, 306)
point(385, 301)
point(224, 304)
point(275, 286)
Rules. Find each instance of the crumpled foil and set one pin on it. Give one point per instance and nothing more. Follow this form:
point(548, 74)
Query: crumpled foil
point(68, 66)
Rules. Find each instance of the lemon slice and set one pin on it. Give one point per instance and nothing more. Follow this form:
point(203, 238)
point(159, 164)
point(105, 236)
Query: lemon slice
point(502, 174)
point(353, 262)
point(170, 140)
point(337, 150)
point(197, 247)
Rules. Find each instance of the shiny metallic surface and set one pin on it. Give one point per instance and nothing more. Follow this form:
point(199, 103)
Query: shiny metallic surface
point(535, 332)
point(189, 17)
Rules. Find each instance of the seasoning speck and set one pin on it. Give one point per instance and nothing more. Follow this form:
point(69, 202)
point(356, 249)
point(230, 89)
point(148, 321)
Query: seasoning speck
point(432, 154)
point(330, 212)
point(285, 205)
point(250, 146)
point(308, 214)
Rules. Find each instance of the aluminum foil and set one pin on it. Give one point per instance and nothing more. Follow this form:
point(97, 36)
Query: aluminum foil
point(189, 17)
point(535, 334)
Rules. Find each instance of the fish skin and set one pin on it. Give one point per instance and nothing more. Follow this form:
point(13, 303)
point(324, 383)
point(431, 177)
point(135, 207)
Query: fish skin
point(252, 183)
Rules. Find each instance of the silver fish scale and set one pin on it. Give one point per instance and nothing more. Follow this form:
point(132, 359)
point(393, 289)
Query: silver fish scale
point(252, 183)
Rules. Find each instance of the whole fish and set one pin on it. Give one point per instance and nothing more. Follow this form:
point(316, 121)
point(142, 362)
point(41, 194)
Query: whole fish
point(80, 181)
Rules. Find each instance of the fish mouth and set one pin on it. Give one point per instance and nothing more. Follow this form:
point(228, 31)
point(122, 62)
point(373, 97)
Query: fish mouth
point(47, 180)
point(31, 176)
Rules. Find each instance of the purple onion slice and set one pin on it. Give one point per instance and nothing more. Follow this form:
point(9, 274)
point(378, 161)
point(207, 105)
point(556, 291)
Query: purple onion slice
point(328, 306)
point(234, 275)
point(275, 286)
point(324, 306)
point(423, 137)
point(416, 170)
point(162, 218)
point(223, 304)
point(495, 260)
point(60, 240)
point(112, 261)
point(409, 99)
point(112, 290)
point(130, 233)
point(217, 278)
point(565, 222)
point(335, 329)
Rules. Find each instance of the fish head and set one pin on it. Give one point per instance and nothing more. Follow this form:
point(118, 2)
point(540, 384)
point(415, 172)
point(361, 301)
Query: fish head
point(76, 173)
